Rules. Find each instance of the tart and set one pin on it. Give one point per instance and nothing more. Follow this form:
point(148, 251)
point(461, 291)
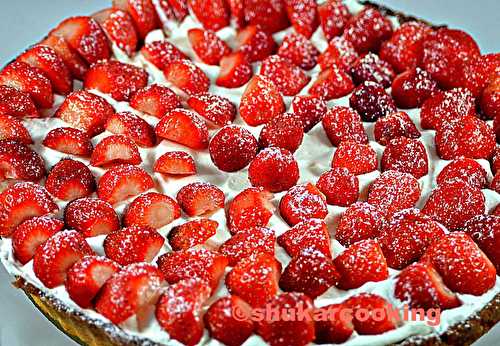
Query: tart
point(170, 168)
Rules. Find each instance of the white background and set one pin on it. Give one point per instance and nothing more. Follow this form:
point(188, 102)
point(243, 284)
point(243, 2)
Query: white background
point(23, 23)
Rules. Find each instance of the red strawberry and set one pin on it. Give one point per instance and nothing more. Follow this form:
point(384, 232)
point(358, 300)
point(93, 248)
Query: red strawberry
point(75, 63)
point(132, 126)
point(274, 169)
point(371, 101)
point(454, 203)
point(235, 70)
point(155, 99)
point(462, 265)
point(332, 83)
point(490, 101)
point(359, 222)
point(255, 278)
point(357, 158)
point(191, 234)
point(69, 140)
point(411, 88)
point(373, 306)
point(257, 44)
point(310, 272)
point(311, 233)
point(339, 52)
point(393, 191)
point(91, 217)
point(237, 13)
point(208, 46)
point(334, 15)
point(115, 149)
point(86, 277)
point(283, 131)
point(303, 202)
point(339, 186)
point(119, 27)
point(495, 183)
point(362, 262)
point(214, 108)
point(151, 210)
point(12, 129)
point(299, 50)
point(143, 14)
point(289, 78)
point(122, 182)
point(85, 111)
point(485, 231)
point(213, 15)
point(187, 76)
point(303, 15)
point(372, 68)
point(232, 148)
point(54, 257)
point(184, 127)
point(393, 125)
point(132, 291)
point(270, 15)
point(337, 329)
point(20, 162)
point(462, 169)
point(16, 103)
point(343, 124)
point(29, 79)
point(495, 160)
point(367, 30)
point(248, 209)
point(309, 109)
point(248, 242)
point(70, 179)
point(200, 198)
point(176, 163)
point(162, 53)
point(30, 234)
point(405, 155)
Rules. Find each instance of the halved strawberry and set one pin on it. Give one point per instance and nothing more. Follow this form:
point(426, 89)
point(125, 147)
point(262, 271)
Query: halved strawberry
point(343, 124)
point(235, 70)
point(214, 108)
point(151, 210)
point(255, 109)
point(248, 242)
point(339, 52)
point(115, 149)
point(303, 202)
point(303, 15)
point(184, 127)
point(176, 163)
point(405, 155)
point(274, 169)
point(70, 179)
point(91, 217)
point(155, 99)
point(122, 182)
point(188, 77)
point(411, 88)
point(75, 63)
point(119, 27)
point(358, 222)
point(143, 13)
point(257, 44)
point(191, 234)
point(332, 83)
point(311, 233)
point(132, 126)
point(200, 198)
point(18, 161)
point(333, 15)
point(17, 103)
point(85, 111)
point(356, 157)
point(372, 68)
point(393, 125)
point(371, 101)
point(289, 79)
point(54, 257)
point(30, 234)
point(248, 209)
point(162, 53)
point(283, 131)
point(232, 148)
point(69, 140)
point(179, 8)
point(213, 15)
point(86, 277)
point(485, 230)
point(208, 46)
point(376, 317)
point(270, 15)
point(462, 169)
point(309, 109)
point(12, 129)
point(337, 329)
point(340, 187)
point(299, 50)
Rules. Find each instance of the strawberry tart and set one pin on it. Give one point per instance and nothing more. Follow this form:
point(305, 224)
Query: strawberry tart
point(170, 167)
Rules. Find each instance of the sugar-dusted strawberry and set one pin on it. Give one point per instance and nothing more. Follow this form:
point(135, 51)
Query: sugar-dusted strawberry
point(184, 127)
point(372, 68)
point(255, 278)
point(208, 46)
point(56, 255)
point(310, 272)
point(162, 53)
point(343, 124)
point(119, 27)
point(179, 8)
point(403, 49)
point(469, 137)
point(333, 15)
point(248, 209)
point(86, 277)
point(393, 125)
point(339, 186)
point(216, 109)
point(339, 52)
point(248, 242)
point(301, 203)
point(478, 71)
point(232, 148)
point(122, 182)
point(490, 101)
point(283, 131)
point(274, 169)
point(356, 157)
point(462, 265)
point(393, 191)
point(257, 44)
point(70, 179)
point(358, 222)
point(29, 79)
point(84, 35)
point(299, 50)
point(224, 326)
point(371, 101)
point(143, 14)
point(235, 70)
point(411, 88)
point(311, 233)
point(462, 169)
point(405, 155)
point(132, 126)
point(75, 63)
point(12, 129)
point(270, 15)
point(188, 77)
point(443, 53)
point(17, 103)
point(237, 13)
point(191, 233)
point(115, 149)
point(495, 160)
point(193, 263)
point(289, 79)
point(155, 99)
point(20, 162)
point(132, 291)
point(367, 30)
point(91, 217)
point(332, 83)
point(495, 183)
point(373, 306)
point(303, 15)
point(69, 140)
point(176, 163)
point(52, 66)
point(309, 109)
point(485, 231)
point(213, 15)
point(30, 234)
point(151, 209)
point(200, 198)
point(336, 329)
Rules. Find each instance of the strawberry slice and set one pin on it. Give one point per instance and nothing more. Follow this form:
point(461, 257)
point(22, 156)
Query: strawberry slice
point(208, 46)
point(184, 127)
point(462, 169)
point(122, 182)
point(86, 277)
point(255, 279)
point(358, 222)
point(299, 50)
point(311, 233)
point(200, 198)
point(151, 210)
point(235, 70)
point(372, 324)
point(30, 234)
point(274, 169)
point(485, 230)
point(162, 53)
point(176, 163)
point(119, 27)
point(12, 129)
point(85, 111)
point(256, 43)
point(303, 202)
point(187, 77)
point(248, 242)
point(289, 79)
point(303, 16)
point(69, 140)
point(309, 109)
point(155, 99)
point(132, 126)
point(20, 162)
point(214, 108)
point(283, 131)
point(371, 101)
point(405, 155)
point(54, 257)
point(191, 234)
point(75, 63)
point(344, 124)
point(393, 125)
point(91, 217)
point(16, 103)
point(251, 208)
point(334, 16)
point(213, 15)
point(232, 148)
point(340, 187)
point(70, 179)
point(337, 329)
point(411, 88)
point(332, 83)
point(255, 109)
point(357, 158)
point(143, 14)
point(372, 68)
point(270, 15)
point(115, 149)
